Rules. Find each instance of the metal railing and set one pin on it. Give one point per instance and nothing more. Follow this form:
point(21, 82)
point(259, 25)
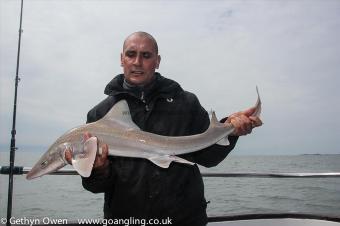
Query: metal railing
point(20, 170)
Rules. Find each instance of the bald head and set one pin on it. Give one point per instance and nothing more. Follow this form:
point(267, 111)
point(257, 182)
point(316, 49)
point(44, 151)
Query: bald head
point(142, 34)
point(140, 58)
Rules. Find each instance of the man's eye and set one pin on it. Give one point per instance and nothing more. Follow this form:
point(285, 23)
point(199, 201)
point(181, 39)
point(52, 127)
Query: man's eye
point(147, 55)
point(130, 54)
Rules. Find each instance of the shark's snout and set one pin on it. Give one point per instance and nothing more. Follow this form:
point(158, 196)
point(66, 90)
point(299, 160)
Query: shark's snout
point(51, 161)
point(33, 173)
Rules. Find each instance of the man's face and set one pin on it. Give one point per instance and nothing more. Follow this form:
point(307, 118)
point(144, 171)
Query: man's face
point(139, 60)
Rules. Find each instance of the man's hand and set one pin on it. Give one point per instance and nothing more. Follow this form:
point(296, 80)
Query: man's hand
point(244, 122)
point(101, 161)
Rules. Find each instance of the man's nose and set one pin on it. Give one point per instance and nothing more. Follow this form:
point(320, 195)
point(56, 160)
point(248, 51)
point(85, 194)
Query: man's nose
point(138, 60)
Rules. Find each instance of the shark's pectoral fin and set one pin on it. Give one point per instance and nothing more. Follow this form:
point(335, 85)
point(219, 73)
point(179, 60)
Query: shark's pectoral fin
point(161, 161)
point(223, 141)
point(165, 160)
point(181, 160)
point(83, 161)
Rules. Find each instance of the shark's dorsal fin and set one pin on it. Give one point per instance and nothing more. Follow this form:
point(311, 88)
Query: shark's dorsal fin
point(213, 120)
point(120, 113)
point(215, 123)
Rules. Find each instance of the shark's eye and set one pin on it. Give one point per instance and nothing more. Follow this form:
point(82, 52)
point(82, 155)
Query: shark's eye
point(44, 164)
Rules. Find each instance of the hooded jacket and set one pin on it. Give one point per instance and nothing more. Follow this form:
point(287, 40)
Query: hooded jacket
point(135, 187)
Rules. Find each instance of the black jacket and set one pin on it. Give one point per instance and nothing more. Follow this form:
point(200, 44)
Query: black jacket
point(136, 187)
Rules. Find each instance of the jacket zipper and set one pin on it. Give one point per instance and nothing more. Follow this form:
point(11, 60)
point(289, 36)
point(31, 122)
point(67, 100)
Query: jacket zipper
point(144, 101)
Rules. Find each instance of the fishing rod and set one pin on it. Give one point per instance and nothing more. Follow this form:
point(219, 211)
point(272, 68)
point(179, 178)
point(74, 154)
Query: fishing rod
point(13, 148)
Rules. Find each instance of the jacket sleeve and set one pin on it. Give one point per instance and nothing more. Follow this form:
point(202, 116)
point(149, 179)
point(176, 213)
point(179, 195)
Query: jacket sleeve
point(99, 180)
point(213, 155)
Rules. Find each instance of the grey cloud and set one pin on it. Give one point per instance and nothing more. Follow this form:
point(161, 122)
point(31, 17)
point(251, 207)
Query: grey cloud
point(218, 50)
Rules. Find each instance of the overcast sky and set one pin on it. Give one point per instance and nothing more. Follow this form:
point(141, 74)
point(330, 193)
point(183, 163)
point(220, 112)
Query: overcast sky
point(219, 50)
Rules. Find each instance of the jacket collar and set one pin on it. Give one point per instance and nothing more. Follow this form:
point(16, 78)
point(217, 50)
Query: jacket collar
point(163, 87)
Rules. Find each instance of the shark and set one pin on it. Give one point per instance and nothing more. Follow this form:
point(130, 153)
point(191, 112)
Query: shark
point(126, 139)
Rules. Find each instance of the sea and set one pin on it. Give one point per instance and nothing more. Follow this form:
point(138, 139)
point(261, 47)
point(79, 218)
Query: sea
point(63, 197)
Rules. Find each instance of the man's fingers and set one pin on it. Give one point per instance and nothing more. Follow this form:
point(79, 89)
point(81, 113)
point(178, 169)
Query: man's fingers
point(233, 116)
point(249, 111)
point(236, 122)
point(246, 124)
point(242, 125)
point(87, 135)
point(68, 156)
point(256, 121)
point(246, 113)
point(105, 152)
point(101, 160)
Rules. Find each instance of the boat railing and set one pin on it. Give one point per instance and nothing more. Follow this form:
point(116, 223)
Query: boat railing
point(20, 170)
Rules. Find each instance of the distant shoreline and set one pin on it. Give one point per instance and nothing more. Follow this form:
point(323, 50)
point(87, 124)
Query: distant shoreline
point(320, 154)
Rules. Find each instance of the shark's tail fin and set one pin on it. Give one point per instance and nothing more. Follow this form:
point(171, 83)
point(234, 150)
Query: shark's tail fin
point(83, 160)
point(258, 104)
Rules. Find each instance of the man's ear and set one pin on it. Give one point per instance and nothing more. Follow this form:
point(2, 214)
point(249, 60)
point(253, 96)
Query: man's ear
point(121, 60)
point(158, 61)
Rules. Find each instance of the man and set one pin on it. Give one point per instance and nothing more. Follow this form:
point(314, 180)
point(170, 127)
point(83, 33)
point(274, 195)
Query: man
point(135, 187)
